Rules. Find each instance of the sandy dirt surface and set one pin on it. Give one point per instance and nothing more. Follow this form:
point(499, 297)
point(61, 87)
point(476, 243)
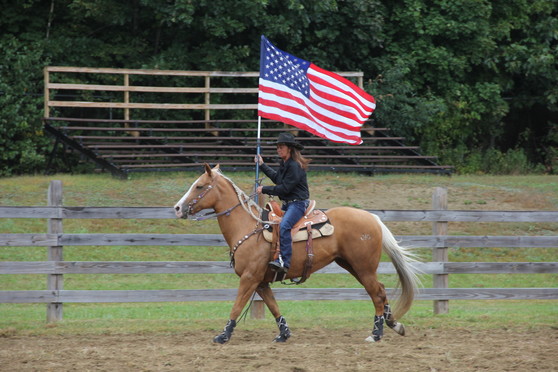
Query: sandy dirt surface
point(308, 350)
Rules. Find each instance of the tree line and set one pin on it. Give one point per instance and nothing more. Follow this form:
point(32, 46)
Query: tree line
point(474, 82)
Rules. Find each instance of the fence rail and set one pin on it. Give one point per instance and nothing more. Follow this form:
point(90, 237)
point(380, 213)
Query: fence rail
point(126, 86)
point(290, 294)
point(55, 267)
point(416, 241)
point(223, 267)
point(386, 215)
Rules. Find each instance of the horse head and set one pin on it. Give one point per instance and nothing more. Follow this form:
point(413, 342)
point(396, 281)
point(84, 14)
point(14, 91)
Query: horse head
point(198, 196)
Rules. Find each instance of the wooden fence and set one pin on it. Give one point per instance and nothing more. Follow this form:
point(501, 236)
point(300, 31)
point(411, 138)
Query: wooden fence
point(55, 267)
point(203, 95)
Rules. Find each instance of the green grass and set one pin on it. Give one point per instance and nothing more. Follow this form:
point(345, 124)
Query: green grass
point(29, 319)
point(381, 192)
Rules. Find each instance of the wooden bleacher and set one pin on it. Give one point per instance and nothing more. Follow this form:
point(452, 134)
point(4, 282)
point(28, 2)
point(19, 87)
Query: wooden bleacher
point(125, 145)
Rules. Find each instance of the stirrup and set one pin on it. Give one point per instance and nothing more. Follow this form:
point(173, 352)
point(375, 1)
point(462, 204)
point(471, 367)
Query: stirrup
point(279, 276)
point(276, 266)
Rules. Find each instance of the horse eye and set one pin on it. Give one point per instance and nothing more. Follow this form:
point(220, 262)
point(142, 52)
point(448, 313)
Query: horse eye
point(199, 187)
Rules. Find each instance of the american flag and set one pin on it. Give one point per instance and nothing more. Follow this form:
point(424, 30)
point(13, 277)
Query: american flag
point(299, 93)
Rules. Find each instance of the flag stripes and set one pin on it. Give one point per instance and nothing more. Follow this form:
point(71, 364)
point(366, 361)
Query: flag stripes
point(299, 93)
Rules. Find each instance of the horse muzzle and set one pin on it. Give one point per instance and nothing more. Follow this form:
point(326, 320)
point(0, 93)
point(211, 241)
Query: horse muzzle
point(179, 212)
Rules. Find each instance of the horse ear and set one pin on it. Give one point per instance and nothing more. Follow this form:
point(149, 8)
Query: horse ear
point(207, 169)
point(216, 168)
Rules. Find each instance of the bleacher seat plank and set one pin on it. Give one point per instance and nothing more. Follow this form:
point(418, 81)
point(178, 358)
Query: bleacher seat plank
point(192, 143)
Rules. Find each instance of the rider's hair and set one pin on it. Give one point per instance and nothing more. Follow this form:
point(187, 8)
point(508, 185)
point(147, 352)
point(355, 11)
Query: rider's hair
point(297, 156)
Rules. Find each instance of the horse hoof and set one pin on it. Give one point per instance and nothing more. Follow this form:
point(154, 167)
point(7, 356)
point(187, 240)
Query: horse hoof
point(371, 339)
point(280, 339)
point(399, 328)
point(221, 339)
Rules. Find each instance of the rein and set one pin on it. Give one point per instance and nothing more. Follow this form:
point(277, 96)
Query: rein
point(212, 214)
point(226, 212)
point(209, 215)
point(244, 201)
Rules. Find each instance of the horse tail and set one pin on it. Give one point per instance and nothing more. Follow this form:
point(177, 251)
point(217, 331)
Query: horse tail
point(404, 262)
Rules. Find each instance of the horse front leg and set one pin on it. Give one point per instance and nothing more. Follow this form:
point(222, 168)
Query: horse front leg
point(265, 292)
point(245, 290)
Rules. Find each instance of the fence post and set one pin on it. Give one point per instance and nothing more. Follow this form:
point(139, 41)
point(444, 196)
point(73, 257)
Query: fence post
point(55, 282)
point(46, 91)
point(207, 101)
point(257, 311)
point(440, 254)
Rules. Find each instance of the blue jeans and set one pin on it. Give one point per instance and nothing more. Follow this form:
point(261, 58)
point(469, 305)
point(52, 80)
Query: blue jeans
point(294, 211)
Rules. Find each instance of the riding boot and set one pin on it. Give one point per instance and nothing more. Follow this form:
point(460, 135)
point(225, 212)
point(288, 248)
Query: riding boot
point(279, 265)
point(226, 335)
point(284, 331)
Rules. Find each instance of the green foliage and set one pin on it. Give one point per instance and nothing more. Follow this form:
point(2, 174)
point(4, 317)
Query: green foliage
point(22, 140)
point(492, 161)
point(456, 77)
point(479, 65)
point(399, 106)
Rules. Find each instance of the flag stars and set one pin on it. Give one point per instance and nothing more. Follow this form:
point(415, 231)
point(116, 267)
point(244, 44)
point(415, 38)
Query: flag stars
point(285, 69)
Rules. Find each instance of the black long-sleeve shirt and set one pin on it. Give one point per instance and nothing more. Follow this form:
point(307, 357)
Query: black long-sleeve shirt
point(290, 181)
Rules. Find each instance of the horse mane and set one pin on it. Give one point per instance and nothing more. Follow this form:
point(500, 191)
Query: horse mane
point(245, 200)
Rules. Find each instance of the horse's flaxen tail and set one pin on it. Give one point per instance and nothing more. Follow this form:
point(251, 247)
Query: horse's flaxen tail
point(404, 262)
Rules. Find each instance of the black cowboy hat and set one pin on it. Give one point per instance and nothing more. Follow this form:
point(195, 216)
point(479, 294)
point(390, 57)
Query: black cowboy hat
point(289, 140)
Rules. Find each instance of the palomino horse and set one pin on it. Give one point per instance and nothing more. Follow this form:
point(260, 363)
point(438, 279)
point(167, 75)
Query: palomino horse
point(356, 245)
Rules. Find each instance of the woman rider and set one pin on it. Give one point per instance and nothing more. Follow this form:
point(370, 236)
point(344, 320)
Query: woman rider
point(291, 187)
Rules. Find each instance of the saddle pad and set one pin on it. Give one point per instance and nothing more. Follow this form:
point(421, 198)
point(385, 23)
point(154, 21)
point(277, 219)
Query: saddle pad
point(325, 229)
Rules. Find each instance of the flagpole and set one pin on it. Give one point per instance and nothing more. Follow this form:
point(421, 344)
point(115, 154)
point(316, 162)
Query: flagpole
point(258, 143)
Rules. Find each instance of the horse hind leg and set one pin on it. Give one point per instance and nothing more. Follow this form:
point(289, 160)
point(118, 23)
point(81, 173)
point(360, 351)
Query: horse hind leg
point(377, 293)
point(378, 330)
point(391, 322)
point(389, 319)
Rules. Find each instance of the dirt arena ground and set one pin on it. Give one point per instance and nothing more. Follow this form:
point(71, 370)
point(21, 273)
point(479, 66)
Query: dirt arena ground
point(308, 350)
